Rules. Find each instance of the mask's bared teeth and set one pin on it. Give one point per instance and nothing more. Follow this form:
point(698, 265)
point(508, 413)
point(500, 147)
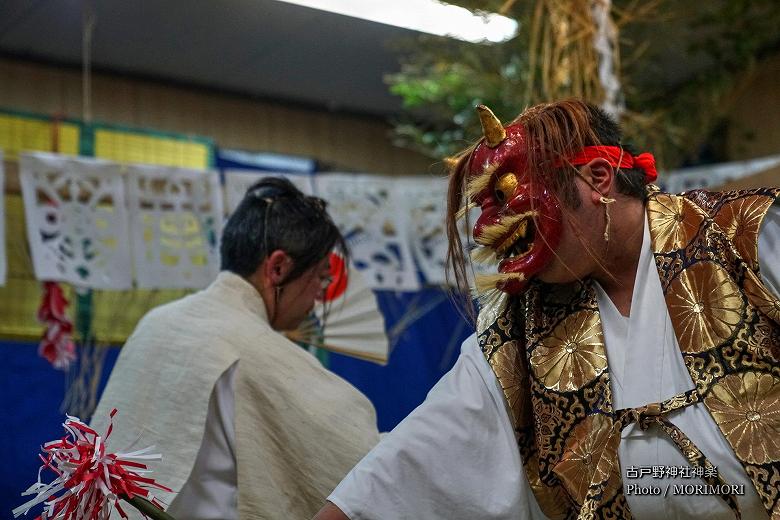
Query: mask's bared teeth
point(520, 232)
point(522, 244)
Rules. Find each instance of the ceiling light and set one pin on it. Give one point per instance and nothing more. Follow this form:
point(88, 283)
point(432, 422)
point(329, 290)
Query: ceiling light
point(428, 16)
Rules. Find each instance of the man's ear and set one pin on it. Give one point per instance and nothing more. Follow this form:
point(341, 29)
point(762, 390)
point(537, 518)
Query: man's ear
point(602, 177)
point(276, 267)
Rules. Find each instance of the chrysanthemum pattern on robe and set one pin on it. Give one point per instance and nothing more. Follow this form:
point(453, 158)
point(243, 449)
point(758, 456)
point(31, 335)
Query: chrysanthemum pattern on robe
point(572, 355)
point(582, 461)
point(674, 222)
point(510, 371)
point(552, 500)
point(746, 407)
point(705, 307)
point(740, 219)
point(762, 299)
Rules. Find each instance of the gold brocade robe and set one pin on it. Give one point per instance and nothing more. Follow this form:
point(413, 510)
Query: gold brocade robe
point(727, 324)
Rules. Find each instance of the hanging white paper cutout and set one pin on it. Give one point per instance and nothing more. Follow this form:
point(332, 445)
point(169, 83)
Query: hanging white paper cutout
point(426, 200)
point(76, 220)
point(426, 203)
point(175, 219)
point(370, 212)
point(238, 181)
point(3, 264)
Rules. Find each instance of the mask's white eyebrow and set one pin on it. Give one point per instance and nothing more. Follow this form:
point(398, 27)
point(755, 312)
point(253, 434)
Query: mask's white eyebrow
point(480, 182)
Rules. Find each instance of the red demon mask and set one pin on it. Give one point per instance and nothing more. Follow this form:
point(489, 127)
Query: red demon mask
point(520, 223)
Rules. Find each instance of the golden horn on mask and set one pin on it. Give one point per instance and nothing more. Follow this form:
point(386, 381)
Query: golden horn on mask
point(491, 126)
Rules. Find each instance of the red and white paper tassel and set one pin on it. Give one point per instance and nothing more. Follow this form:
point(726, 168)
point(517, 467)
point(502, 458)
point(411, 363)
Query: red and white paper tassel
point(57, 345)
point(91, 481)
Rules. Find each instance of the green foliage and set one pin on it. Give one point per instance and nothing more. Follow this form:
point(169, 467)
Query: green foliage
point(680, 64)
point(440, 83)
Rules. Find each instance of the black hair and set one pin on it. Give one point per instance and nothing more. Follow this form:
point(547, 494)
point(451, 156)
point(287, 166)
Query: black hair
point(274, 214)
point(630, 181)
point(563, 128)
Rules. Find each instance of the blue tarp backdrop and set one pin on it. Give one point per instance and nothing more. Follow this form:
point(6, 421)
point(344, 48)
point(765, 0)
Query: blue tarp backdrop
point(31, 390)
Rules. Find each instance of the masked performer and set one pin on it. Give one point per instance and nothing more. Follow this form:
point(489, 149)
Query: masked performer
point(626, 362)
point(242, 416)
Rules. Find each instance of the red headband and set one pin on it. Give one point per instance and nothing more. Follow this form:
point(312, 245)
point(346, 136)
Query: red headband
point(613, 154)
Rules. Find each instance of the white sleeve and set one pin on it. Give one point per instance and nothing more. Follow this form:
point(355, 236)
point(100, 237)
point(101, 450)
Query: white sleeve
point(454, 457)
point(769, 249)
point(211, 489)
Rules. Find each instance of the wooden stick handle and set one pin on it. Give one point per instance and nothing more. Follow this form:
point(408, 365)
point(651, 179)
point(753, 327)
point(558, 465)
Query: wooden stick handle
point(147, 508)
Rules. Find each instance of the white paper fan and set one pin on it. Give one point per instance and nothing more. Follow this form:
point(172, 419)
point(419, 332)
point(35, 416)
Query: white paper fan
point(352, 324)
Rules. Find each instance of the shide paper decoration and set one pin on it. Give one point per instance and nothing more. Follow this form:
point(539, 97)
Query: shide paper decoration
point(76, 220)
point(175, 218)
point(371, 212)
point(90, 481)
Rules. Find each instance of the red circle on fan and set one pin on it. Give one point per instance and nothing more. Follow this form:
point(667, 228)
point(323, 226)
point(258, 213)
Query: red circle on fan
point(338, 273)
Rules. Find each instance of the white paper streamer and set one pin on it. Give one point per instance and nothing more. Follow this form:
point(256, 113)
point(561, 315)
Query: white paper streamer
point(90, 478)
point(605, 42)
point(238, 181)
point(176, 218)
point(76, 220)
point(371, 214)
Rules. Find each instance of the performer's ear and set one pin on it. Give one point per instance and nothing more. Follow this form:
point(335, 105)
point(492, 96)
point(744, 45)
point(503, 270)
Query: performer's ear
point(601, 176)
point(276, 267)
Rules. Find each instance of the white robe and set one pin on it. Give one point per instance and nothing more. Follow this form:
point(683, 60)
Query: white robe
point(455, 456)
point(211, 490)
point(296, 427)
